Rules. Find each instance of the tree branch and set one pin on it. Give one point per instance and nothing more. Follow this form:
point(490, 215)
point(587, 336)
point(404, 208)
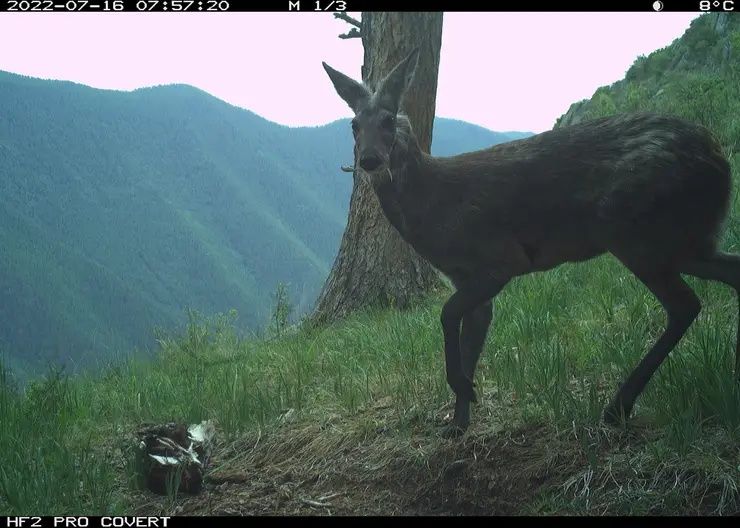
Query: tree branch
point(348, 19)
point(353, 33)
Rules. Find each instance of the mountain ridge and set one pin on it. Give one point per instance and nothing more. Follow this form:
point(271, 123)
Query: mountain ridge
point(122, 208)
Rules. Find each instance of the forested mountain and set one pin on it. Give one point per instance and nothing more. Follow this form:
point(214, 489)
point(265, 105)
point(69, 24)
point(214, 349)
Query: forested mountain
point(120, 209)
point(697, 77)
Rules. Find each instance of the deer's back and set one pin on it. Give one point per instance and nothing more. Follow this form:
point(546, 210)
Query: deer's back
point(570, 193)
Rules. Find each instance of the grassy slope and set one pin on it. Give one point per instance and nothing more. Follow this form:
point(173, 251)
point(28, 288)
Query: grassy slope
point(370, 391)
point(119, 209)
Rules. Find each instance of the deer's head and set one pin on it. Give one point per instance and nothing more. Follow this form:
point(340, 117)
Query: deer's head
point(376, 114)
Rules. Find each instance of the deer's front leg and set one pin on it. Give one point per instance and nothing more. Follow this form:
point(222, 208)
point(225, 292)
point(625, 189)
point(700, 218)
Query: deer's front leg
point(475, 327)
point(470, 306)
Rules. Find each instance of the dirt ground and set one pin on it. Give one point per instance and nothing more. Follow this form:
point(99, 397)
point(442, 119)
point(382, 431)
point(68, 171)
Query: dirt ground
point(375, 463)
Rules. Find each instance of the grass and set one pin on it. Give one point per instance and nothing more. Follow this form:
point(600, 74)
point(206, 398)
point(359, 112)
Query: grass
point(369, 392)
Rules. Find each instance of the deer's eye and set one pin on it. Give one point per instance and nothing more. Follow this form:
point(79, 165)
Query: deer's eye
point(388, 122)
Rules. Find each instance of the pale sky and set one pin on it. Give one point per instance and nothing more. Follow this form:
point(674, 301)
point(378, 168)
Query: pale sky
point(504, 71)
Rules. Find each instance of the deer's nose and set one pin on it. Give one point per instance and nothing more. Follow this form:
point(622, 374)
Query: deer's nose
point(370, 162)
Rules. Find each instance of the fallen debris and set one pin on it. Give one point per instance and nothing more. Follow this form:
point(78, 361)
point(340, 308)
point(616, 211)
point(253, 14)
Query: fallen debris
point(172, 457)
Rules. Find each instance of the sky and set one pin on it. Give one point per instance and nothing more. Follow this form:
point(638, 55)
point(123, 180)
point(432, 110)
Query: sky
point(503, 71)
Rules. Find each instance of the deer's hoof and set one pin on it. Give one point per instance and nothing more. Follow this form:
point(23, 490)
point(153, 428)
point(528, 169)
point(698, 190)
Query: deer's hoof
point(616, 416)
point(453, 430)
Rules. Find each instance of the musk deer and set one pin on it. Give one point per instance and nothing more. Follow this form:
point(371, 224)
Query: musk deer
point(652, 190)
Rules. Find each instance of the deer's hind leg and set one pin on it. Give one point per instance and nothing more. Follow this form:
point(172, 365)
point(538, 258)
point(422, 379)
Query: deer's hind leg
point(682, 307)
point(725, 268)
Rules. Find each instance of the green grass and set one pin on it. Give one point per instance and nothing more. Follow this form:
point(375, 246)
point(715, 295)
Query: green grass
point(560, 345)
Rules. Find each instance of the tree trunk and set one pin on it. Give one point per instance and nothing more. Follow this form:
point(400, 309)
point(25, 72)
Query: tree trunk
point(375, 266)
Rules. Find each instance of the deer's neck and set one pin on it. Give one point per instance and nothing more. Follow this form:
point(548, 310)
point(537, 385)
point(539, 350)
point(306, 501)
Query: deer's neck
point(402, 190)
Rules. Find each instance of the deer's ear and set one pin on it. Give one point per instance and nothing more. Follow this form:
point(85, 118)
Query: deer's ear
point(353, 93)
point(394, 86)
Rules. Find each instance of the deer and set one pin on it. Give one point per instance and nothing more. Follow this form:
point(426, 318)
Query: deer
point(651, 189)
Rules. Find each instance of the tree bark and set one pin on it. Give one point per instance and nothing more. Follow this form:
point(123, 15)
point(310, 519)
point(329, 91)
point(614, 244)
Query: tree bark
point(375, 266)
